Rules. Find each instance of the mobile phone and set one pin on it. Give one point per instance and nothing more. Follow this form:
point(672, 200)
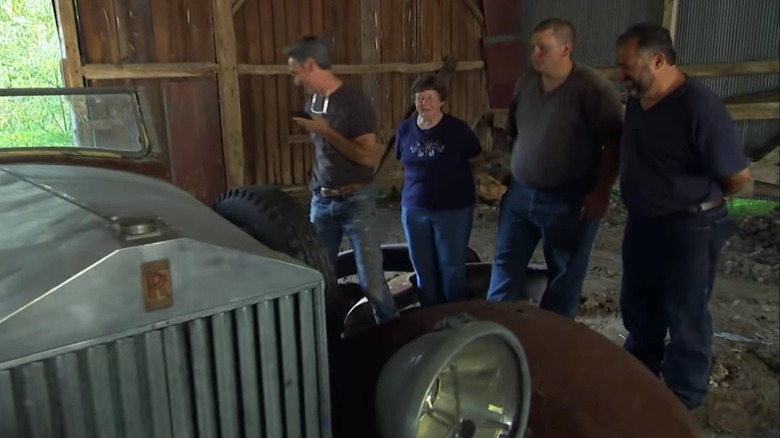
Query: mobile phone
point(302, 114)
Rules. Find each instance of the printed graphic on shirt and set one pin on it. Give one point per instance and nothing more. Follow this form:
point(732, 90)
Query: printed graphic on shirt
point(427, 148)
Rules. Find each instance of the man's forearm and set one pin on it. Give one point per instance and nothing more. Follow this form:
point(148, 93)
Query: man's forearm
point(739, 184)
point(608, 170)
point(350, 148)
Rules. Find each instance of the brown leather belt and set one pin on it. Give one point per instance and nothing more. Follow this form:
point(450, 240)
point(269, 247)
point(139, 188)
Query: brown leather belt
point(704, 206)
point(340, 191)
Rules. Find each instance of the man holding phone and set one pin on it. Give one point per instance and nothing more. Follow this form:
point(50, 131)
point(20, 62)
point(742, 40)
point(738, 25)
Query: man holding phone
point(343, 125)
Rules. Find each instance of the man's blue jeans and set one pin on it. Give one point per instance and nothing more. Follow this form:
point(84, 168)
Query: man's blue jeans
point(669, 266)
point(438, 244)
point(528, 216)
point(355, 216)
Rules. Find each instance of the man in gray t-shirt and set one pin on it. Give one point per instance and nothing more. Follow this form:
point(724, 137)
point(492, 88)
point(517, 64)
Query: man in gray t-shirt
point(343, 126)
point(565, 121)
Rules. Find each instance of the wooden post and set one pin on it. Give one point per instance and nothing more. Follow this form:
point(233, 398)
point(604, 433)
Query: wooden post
point(369, 49)
point(671, 8)
point(229, 99)
point(69, 40)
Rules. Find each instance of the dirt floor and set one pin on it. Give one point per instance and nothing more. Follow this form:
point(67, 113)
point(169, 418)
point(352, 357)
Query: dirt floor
point(745, 391)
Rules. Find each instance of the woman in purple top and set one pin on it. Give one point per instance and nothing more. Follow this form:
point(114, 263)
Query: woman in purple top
point(437, 152)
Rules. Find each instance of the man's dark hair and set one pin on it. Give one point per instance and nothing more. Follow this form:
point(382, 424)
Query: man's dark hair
point(429, 81)
point(563, 29)
point(310, 47)
point(651, 37)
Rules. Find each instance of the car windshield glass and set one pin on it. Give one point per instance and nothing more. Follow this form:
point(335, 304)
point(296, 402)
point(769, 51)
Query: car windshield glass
point(84, 119)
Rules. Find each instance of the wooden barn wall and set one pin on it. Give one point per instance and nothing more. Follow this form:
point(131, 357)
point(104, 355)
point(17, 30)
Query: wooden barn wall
point(160, 37)
point(185, 111)
point(408, 31)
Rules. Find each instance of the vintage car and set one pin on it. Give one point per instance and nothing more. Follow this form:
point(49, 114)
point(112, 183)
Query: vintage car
point(128, 308)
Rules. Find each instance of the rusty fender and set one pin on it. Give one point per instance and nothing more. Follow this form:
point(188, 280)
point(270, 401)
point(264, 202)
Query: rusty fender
point(583, 385)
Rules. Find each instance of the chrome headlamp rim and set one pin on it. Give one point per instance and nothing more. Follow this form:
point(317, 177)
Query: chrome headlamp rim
point(411, 373)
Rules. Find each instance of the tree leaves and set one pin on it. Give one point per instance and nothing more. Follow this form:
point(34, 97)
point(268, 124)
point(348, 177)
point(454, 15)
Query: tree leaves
point(30, 47)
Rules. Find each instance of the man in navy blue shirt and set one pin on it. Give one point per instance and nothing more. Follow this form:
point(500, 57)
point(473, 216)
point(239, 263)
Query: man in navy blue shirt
point(680, 158)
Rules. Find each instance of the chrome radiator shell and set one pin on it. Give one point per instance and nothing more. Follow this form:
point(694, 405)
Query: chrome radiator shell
point(237, 349)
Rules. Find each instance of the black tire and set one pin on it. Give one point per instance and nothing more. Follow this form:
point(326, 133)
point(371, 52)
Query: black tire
point(278, 221)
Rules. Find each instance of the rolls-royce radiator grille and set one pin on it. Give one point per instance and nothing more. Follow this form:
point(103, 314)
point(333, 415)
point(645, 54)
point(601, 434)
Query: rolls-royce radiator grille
point(253, 371)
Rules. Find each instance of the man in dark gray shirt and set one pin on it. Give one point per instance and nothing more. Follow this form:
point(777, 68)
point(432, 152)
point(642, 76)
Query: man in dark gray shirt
point(565, 121)
point(343, 126)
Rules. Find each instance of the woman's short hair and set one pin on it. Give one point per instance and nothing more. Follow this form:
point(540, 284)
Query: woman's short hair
point(430, 81)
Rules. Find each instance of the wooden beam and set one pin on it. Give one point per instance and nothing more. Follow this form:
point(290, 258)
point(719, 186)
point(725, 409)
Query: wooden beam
point(739, 111)
point(237, 5)
point(754, 111)
point(150, 70)
point(770, 66)
point(196, 69)
point(229, 99)
point(73, 76)
point(476, 12)
point(759, 97)
point(391, 67)
point(671, 9)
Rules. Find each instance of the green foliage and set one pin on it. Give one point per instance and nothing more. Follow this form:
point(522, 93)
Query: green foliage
point(30, 48)
point(739, 207)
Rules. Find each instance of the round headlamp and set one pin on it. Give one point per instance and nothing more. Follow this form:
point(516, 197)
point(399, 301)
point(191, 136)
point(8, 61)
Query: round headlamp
point(466, 378)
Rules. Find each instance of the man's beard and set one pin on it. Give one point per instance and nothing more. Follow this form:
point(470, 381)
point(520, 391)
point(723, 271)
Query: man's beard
point(634, 88)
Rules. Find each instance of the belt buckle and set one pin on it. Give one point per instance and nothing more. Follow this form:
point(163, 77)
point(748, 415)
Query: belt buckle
point(339, 191)
point(324, 191)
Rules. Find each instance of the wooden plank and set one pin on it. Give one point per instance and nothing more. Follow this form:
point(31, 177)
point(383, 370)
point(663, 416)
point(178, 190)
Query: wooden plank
point(770, 66)
point(271, 119)
point(149, 70)
point(754, 111)
point(475, 11)
point(237, 5)
point(347, 69)
point(307, 28)
point(229, 101)
point(279, 14)
point(163, 50)
point(759, 97)
point(69, 39)
point(370, 51)
point(199, 168)
point(671, 9)
point(256, 119)
point(352, 34)
point(738, 111)
point(197, 22)
point(295, 98)
point(317, 17)
point(134, 22)
point(436, 19)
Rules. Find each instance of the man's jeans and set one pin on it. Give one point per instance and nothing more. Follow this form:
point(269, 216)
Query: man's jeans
point(438, 244)
point(355, 215)
point(669, 269)
point(527, 216)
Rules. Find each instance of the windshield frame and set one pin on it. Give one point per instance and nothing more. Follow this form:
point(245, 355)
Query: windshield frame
point(138, 117)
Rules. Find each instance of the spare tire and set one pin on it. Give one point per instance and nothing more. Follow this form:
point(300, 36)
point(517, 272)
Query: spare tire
point(278, 221)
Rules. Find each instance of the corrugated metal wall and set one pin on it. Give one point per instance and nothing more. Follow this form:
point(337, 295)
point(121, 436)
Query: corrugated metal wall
point(708, 32)
point(597, 22)
point(723, 31)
